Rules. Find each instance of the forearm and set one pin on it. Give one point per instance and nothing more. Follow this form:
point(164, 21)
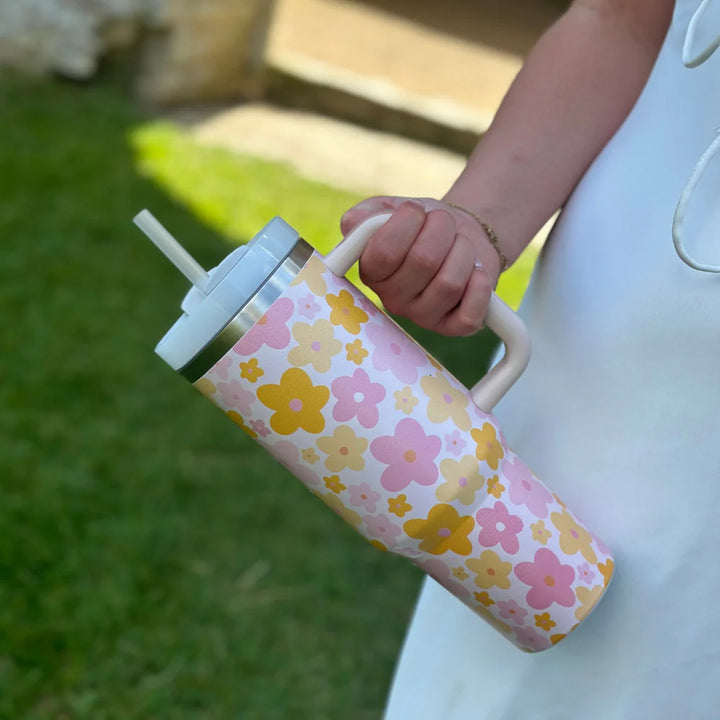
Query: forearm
point(575, 89)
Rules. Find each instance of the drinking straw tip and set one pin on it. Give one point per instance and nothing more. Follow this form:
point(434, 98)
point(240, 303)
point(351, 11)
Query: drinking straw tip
point(172, 249)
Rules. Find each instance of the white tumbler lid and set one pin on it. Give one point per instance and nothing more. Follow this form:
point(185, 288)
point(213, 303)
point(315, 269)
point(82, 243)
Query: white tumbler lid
point(216, 297)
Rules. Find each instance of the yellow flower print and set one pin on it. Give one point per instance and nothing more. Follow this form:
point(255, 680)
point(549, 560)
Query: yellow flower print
point(463, 480)
point(316, 345)
point(250, 371)
point(345, 312)
point(336, 504)
point(378, 545)
point(310, 456)
point(490, 570)
point(356, 352)
point(399, 505)
point(495, 487)
point(555, 639)
point(344, 449)
point(446, 401)
point(573, 537)
point(460, 573)
point(484, 598)
point(205, 387)
point(296, 401)
point(486, 615)
point(606, 570)
point(435, 363)
point(540, 533)
point(405, 401)
point(333, 483)
point(442, 531)
point(544, 621)
point(237, 418)
point(312, 276)
point(488, 448)
point(588, 597)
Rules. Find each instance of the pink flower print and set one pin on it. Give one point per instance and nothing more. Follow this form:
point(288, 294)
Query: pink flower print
point(394, 351)
point(510, 610)
point(454, 442)
point(525, 489)
point(549, 580)
point(357, 397)
point(497, 525)
point(286, 453)
point(271, 329)
point(601, 546)
point(234, 396)
point(584, 572)
point(380, 528)
point(222, 367)
point(528, 637)
point(441, 573)
point(409, 456)
point(367, 305)
point(260, 428)
point(307, 307)
point(306, 475)
point(438, 569)
point(364, 496)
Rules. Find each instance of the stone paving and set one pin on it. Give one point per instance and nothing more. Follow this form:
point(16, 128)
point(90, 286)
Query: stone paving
point(458, 56)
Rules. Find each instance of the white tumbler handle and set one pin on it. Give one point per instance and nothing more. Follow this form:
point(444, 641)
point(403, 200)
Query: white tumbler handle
point(500, 319)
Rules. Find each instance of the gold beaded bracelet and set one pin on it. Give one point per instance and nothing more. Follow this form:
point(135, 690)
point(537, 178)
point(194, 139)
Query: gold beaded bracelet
point(491, 236)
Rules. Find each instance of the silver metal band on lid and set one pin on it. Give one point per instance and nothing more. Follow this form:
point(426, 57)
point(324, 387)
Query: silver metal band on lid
point(249, 313)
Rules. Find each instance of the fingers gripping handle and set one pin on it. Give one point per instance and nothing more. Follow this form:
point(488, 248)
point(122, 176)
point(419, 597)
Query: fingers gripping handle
point(341, 258)
point(500, 319)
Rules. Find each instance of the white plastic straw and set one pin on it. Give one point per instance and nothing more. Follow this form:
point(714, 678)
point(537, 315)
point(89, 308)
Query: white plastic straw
point(172, 249)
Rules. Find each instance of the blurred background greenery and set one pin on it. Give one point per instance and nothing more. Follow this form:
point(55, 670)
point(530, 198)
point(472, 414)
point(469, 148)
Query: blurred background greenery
point(155, 562)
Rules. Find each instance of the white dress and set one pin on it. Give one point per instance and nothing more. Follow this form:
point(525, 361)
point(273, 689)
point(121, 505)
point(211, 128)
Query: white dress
point(619, 414)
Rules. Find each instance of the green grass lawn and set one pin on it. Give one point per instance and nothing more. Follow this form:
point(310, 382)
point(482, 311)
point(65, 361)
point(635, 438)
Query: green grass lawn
point(155, 563)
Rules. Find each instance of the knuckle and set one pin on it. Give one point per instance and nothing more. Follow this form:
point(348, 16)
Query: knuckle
point(483, 283)
point(408, 216)
point(422, 258)
point(421, 320)
point(467, 325)
point(442, 220)
point(429, 309)
point(413, 208)
point(366, 276)
point(450, 287)
point(385, 256)
point(378, 262)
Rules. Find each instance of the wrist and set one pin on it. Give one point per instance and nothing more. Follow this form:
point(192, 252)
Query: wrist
point(496, 223)
point(489, 231)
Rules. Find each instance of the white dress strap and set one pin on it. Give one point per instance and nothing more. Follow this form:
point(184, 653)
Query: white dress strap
point(703, 34)
point(702, 39)
point(704, 161)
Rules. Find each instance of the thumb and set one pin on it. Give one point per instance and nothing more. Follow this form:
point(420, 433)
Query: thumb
point(367, 208)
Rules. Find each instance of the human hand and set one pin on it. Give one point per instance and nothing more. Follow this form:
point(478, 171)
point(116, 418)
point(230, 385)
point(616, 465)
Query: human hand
point(422, 262)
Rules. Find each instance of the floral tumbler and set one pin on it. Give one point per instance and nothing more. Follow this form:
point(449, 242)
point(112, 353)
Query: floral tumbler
point(307, 366)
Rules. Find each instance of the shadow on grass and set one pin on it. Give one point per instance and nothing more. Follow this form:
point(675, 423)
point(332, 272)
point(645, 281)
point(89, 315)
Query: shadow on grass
point(154, 562)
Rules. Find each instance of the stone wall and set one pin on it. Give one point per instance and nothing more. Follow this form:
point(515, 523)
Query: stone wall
point(182, 50)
